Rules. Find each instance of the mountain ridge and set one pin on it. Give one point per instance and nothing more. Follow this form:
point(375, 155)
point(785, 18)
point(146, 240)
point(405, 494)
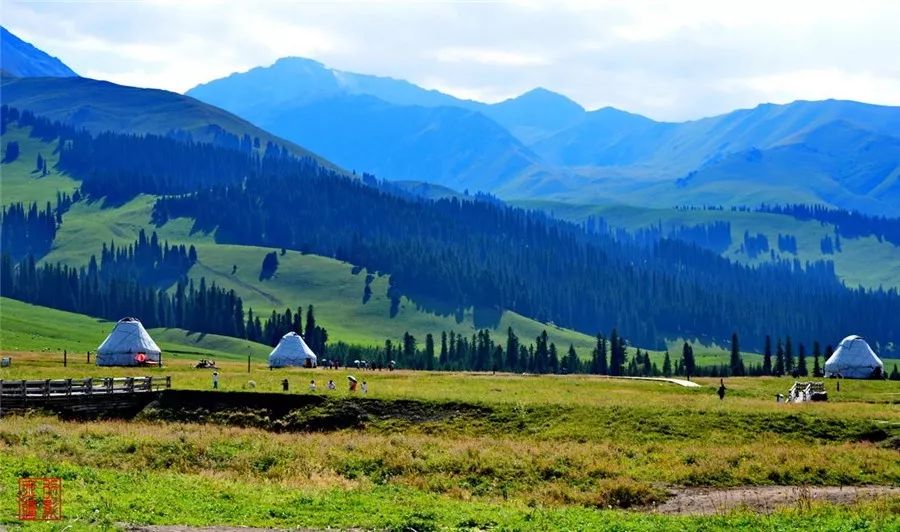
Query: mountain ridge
point(22, 59)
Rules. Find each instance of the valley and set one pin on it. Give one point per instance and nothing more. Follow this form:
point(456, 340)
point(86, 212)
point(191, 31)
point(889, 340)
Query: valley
point(296, 296)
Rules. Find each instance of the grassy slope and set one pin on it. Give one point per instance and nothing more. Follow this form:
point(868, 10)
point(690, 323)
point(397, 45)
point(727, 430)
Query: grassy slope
point(863, 261)
point(25, 327)
point(327, 284)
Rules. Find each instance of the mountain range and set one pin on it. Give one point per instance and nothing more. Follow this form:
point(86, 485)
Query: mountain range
point(542, 144)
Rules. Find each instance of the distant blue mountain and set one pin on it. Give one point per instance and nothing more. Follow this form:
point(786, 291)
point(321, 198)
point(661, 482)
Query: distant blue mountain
point(388, 127)
point(535, 114)
point(21, 59)
point(543, 144)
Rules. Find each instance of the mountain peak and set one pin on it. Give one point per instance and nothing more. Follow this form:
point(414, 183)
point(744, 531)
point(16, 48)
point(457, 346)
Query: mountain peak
point(542, 96)
point(293, 61)
point(22, 59)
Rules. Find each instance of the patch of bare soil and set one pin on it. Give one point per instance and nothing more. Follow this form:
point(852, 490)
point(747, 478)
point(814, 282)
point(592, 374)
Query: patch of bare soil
point(764, 499)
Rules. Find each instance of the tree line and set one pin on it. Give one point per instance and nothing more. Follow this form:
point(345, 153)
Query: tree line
point(849, 224)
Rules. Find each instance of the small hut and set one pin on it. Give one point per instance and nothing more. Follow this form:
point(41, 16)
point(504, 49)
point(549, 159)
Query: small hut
point(292, 351)
point(854, 359)
point(128, 344)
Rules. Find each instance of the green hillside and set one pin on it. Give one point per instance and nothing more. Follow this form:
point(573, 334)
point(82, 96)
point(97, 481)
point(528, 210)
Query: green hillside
point(102, 106)
point(863, 261)
point(25, 327)
point(330, 285)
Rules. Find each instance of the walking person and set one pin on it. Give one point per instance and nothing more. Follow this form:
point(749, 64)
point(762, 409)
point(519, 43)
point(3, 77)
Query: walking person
point(721, 390)
point(365, 388)
point(215, 379)
point(312, 385)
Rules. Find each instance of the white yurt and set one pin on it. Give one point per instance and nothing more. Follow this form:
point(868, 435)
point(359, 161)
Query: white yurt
point(853, 359)
point(292, 351)
point(128, 344)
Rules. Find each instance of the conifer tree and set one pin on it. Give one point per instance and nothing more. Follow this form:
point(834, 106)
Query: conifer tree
point(512, 350)
point(667, 365)
point(429, 352)
point(779, 360)
point(802, 369)
point(767, 357)
point(895, 375)
point(599, 363)
point(737, 363)
point(788, 357)
point(687, 359)
point(572, 363)
point(817, 368)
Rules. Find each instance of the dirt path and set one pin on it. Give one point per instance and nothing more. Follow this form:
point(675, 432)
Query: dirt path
point(679, 382)
point(764, 499)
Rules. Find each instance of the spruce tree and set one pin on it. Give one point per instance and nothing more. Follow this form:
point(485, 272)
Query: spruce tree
point(429, 351)
point(737, 363)
point(788, 357)
point(667, 365)
point(767, 357)
point(443, 356)
point(779, 360)
point(802, 369)
point(895, 375)
point(512, 350)
point(817, 368)
point(647, 370)
point(572, 362)
point(599, 363)
point(687, 359)
point(554, 359)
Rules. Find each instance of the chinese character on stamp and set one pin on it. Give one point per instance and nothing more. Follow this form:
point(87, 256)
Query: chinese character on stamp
point(40, 499)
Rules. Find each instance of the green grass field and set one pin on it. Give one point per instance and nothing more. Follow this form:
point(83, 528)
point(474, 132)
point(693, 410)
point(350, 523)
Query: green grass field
point(438, 451)
point(25, 327)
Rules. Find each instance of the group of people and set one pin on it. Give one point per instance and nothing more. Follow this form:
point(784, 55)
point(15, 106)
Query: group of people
point(331, 386)
point(285, 385)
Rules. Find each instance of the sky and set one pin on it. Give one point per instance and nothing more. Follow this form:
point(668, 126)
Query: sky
point(669, 60)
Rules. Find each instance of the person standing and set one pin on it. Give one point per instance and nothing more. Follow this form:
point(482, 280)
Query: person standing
point(312, 385)
point(721, 390)
point(215, 379)
point(365, 388)
point(331, 385)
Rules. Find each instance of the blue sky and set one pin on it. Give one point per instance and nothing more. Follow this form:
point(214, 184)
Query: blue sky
point(670, 60)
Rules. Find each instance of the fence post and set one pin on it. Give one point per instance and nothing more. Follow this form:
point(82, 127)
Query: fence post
point(46, 387)
point(65, 358)
point(68, 386)
point(89, 386)
point(130, 384)
point(168, 381)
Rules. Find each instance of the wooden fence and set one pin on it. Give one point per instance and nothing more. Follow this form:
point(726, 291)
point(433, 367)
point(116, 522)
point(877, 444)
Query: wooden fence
point(26, 389)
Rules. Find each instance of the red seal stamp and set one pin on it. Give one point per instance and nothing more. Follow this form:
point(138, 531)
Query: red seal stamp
point(40, 499)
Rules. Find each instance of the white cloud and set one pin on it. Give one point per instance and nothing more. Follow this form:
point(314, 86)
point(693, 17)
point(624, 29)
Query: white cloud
point(487, 56)
point(665, 58)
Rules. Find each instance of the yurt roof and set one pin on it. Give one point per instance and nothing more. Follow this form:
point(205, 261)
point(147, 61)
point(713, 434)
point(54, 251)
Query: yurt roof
point(128, 336)
point(292, 345)
point(853, 353)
